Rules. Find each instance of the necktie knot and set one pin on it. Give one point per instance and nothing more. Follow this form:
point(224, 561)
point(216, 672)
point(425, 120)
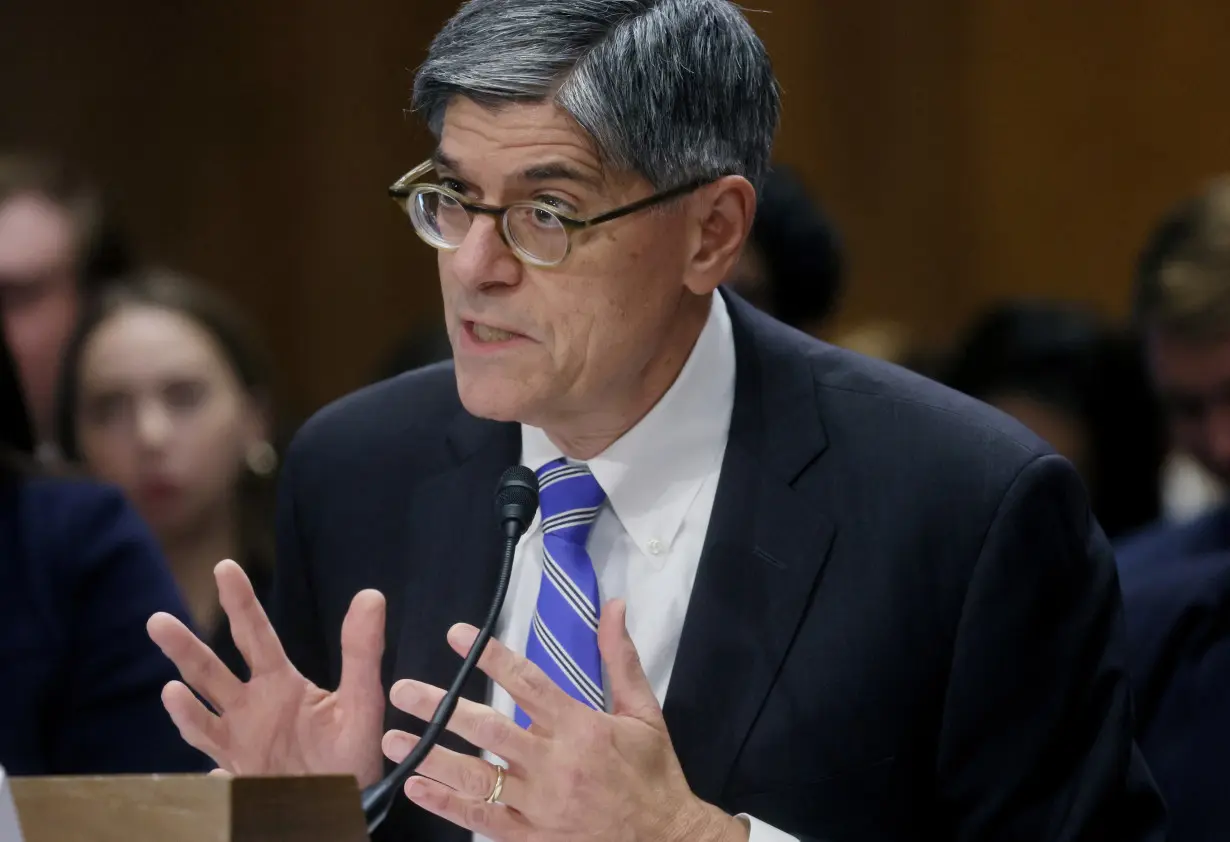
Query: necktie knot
point(571, 498)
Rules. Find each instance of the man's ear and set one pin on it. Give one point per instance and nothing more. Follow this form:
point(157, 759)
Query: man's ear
point(725, 215)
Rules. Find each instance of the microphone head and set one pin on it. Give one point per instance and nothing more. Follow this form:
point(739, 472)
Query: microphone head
point(516, 500)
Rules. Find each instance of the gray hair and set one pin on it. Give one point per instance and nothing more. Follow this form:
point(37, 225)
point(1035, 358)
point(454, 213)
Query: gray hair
point(675, 90)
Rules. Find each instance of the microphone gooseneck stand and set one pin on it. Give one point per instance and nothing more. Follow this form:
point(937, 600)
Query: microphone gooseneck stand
point(516, 501)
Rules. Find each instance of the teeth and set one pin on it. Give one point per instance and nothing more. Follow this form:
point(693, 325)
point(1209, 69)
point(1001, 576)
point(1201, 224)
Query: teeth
point(491, 334)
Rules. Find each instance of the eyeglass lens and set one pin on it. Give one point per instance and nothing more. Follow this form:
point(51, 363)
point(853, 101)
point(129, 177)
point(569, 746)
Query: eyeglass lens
point(444, 222)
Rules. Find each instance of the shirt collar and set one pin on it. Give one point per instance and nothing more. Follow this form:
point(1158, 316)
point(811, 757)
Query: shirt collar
point(654, 471)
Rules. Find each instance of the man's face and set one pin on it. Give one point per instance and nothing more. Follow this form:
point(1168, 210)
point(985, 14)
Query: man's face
point(545, 345)
point(1193, 381)
point(38, 295)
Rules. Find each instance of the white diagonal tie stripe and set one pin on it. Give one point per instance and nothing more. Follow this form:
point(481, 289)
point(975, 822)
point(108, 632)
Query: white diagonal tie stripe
point(572, 517)
point(559, 474)
point(580, 603)
point(575, 674)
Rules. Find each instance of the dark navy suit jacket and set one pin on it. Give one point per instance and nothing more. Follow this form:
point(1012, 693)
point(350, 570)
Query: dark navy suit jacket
point(905, 625)
point(80, 681)
point(1176, 588)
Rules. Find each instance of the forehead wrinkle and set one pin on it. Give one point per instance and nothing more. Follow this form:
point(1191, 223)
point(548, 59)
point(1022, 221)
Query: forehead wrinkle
point(549, 169)
point(550, 146)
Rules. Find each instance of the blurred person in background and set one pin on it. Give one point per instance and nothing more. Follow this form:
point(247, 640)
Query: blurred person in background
point(1081, 386)
point(80, 681)
point(792, 265)
point(167, 395)
point(792, 268)
point(57, 246)
point(1183, 309)
point(892, 341)
point(1176, 576)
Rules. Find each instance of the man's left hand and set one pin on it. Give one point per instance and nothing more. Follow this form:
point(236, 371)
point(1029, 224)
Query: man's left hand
point(576, 773)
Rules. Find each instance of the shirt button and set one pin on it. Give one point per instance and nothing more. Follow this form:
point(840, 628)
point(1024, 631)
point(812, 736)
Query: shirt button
point(655, 547)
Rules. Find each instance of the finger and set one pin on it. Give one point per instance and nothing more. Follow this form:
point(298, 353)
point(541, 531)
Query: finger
point(250, 627)
point(494, 821)
point(200, 729)
point(477, 724)
point(362, 649)
point(541, 699)
point(468, 775)
point(196, 662)
point(220, 773)
point(631, 693)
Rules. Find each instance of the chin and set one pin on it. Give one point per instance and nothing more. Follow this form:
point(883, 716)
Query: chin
point(494, 398)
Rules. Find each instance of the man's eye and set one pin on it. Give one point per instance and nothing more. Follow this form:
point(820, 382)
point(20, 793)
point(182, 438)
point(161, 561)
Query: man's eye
point(454, 185)
point(556, 202)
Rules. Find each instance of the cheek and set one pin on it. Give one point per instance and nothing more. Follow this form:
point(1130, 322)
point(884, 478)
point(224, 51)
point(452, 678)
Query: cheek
point(36, 338)
point(207, 452)
point(1196, 439)
point(110, 455)
point(624, 308)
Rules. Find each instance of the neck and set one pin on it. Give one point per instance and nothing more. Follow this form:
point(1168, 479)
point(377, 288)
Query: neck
point(192, 557)
point(585, 434)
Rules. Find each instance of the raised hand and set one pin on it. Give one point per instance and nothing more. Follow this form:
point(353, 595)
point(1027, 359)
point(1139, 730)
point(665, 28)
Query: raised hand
point(576, 773)
point(278, 722)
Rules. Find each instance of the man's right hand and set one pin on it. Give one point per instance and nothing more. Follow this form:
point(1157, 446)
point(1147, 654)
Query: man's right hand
point(278, 723)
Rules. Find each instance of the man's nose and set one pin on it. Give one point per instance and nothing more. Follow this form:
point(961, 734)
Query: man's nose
point(484, 260)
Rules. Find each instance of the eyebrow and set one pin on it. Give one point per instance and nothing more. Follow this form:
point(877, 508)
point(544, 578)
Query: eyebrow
point(440, 159)
point(547, 171)
point(557, 171)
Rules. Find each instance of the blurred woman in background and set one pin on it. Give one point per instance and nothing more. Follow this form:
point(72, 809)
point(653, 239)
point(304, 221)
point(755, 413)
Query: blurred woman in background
point(80, 574)
point(166, 394)
point(1083, 388)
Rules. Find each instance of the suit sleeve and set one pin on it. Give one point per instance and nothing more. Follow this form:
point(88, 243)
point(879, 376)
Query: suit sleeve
point(293, 606)
point(109, 717)
point(1036, 737)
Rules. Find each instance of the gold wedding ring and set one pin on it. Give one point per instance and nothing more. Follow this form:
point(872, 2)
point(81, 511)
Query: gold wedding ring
point(494, 797)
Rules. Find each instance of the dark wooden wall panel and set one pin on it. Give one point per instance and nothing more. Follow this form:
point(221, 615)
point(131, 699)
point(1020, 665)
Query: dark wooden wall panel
point(969, 149)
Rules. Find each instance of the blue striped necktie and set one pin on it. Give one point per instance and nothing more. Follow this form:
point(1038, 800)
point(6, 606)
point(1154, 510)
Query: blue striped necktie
point(563, 639)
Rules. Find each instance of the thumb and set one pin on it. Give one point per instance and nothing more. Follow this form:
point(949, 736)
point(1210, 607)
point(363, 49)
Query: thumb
point(631, 693)
point(362, 649)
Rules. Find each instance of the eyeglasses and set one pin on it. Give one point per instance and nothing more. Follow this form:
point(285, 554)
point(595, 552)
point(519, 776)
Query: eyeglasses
point(536, 232)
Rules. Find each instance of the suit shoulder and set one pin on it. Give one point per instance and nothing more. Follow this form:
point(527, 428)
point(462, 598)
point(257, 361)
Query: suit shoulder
point(1164, 542)
point(71, 509)
point(1173, 610)
point(77, 525)
point(904, 411)
point(425, 398)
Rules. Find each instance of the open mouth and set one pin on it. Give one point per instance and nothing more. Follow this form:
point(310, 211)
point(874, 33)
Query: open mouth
point(486, 333)
point(481, 334)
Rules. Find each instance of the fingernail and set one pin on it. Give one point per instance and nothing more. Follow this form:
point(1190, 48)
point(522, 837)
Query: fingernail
point(463, 636)
point(415, 788)
point(406, 692)
point(396, 746)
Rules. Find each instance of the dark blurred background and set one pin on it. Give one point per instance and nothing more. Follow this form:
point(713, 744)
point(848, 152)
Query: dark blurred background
point(968, 151)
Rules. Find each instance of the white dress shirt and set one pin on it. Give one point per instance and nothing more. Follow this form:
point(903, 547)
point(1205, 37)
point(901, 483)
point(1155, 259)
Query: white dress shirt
point(660, 479)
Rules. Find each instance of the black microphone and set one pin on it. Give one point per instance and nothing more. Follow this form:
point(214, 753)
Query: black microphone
point(516, 501)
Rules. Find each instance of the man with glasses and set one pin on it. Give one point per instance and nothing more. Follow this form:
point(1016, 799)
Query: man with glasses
point(776, 591)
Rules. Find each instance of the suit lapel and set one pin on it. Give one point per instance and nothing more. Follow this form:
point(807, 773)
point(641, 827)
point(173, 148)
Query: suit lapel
point(763, 555)
point(456, 559)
